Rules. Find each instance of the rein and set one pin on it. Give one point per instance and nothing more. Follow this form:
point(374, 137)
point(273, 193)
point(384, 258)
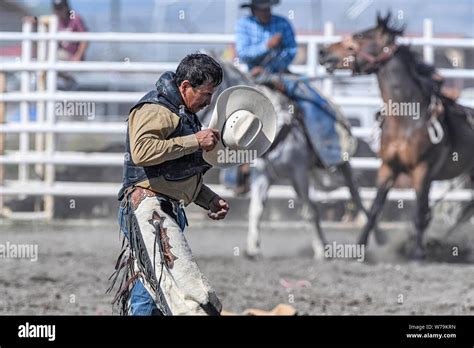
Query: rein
point(375, 61)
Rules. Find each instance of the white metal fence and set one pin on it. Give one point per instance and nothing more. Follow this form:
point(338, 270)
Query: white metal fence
point(46, 126)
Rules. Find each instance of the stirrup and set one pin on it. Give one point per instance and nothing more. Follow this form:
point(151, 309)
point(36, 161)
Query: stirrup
point(435, 131)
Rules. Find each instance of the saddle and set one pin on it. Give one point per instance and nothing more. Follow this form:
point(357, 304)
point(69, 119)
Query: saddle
point(272, 81)
point(269, 84)
point(286, 120)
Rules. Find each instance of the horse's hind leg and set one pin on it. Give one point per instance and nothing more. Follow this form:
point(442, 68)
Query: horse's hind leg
point(300, 182)
point(386, 179)
point(466, 213)
point(258, 198)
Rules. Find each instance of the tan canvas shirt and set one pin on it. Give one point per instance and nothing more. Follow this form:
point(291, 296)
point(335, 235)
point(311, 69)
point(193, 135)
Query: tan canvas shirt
point(149, 146)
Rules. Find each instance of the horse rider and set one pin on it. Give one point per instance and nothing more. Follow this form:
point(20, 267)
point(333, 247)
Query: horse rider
point(266, 43)
point(163, 172)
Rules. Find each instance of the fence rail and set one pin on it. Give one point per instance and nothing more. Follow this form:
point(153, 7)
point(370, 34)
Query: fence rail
point(47, 125)
point(100, 189)
point(209, 38)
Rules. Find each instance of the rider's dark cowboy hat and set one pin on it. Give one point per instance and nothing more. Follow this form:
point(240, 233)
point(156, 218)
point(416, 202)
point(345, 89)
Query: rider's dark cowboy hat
point(60, 4)
point(261, 4)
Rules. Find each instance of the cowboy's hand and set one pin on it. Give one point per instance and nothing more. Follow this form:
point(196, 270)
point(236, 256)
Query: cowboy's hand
point(256, 71)
point(218, 209)
point(208, 138)
point(274, 41)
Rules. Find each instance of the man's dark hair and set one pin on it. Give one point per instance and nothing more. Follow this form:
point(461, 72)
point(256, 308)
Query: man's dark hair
point(199, 69)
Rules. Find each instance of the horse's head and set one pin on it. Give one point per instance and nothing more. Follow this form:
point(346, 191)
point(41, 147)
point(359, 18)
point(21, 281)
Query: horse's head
point(364, 51)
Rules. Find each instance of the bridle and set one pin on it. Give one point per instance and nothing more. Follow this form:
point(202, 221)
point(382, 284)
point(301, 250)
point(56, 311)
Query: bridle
point(374, 62)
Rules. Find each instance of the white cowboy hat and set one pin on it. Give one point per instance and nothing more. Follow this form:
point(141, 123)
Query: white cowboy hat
point(246, 120)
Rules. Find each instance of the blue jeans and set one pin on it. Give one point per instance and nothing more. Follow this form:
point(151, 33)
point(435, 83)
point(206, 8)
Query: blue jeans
point(141, 302)
point(319, 118)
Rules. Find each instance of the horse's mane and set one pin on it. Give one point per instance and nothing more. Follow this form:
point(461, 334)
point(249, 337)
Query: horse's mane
point(419, 70)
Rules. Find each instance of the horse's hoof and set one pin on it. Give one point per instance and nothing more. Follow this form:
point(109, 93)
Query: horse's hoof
point(253, 256)
point(317, 256)
point(318, 250)
point(362, 241)
point(419, 254)
point(380, 237)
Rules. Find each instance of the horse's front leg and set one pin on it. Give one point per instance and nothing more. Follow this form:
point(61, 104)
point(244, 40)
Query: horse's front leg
point(363, 214)
point(386, 179)
point(258, 197)
point(422, 184)
point(300, 182)
point(346, 170)
point(319, 240)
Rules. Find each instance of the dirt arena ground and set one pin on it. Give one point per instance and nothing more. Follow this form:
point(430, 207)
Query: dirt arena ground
point(75, 259)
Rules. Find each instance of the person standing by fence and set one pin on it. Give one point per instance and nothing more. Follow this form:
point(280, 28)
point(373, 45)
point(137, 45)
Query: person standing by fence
point(69, 21)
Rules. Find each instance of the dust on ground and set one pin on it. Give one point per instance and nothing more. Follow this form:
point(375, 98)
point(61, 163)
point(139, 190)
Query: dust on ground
point(75, 260)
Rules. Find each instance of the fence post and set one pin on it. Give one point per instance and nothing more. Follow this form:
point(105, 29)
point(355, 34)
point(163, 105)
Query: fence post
point(41, 87)
point(327, 82)
point(2, 136)
point(312, 59)
point(428, 50)
point(26, 44)
point(50, 114)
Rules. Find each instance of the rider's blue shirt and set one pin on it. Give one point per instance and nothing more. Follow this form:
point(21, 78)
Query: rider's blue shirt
point(251, 43)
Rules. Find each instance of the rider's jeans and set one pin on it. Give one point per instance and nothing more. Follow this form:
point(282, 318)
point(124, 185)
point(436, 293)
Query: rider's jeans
point(319, 119)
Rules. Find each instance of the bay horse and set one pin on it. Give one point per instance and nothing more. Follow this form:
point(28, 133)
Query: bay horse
point(432, 141)
point(290, 157)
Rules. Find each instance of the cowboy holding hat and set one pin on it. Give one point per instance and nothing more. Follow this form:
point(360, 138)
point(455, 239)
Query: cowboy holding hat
point(247, 122)
point(167, 155)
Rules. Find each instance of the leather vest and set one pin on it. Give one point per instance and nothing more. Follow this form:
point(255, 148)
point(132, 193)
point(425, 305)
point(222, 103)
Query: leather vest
point(167, 95)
